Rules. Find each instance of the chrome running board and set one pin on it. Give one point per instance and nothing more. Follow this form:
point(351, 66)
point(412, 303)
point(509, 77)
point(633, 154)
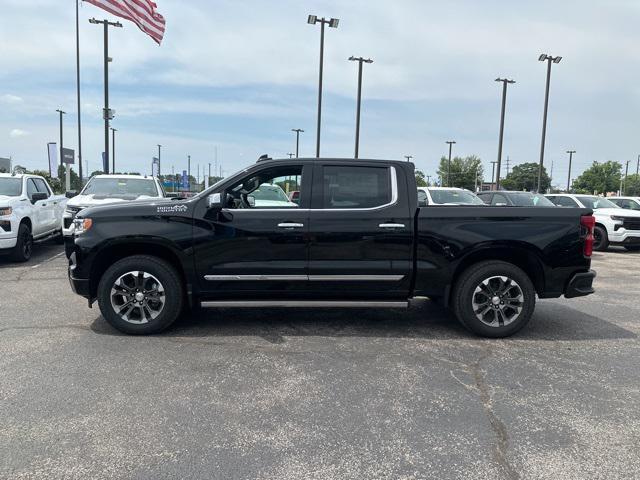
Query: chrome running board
point(303, 304)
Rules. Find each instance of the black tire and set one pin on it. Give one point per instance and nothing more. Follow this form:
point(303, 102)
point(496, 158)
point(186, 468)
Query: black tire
point(158, 270)
point(600, 239)
point(24, 244)
point(464, 294)
point(632, 248)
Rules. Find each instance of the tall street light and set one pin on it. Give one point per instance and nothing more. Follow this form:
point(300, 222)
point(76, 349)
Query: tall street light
point(493, 173)
point(360, 61)
point(451, 143)
point(505, 82)
point(107, 113)
point(638, 166)
point(408, 157)
point(298, 132)
point(113, 150)
point(333, 23)
point(626, 174)
point(61, 135)
point(549, 59)
point(159, 158)
point(78, 94)
point(570, 152)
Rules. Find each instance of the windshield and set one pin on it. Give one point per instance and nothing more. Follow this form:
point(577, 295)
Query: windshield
point(597, 202)
point(528, 199)
point(121, 188)
point(270, 192)
point(11, 187)
point(460, 197)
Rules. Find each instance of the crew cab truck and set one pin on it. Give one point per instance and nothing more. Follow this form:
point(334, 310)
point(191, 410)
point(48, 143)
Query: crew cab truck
point(356, 239)
point(29, 212)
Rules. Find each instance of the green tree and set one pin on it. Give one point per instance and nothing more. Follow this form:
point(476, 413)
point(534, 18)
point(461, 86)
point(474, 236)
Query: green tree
point(524, 177)
point(465, 172)
point(421, 179)
point(599, 178)
point(632, 186)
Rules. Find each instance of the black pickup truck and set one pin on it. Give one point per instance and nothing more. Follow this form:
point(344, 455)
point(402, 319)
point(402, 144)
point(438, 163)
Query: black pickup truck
point(356, 237)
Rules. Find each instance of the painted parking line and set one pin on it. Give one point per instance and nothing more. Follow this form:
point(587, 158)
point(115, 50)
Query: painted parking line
point(48, 260)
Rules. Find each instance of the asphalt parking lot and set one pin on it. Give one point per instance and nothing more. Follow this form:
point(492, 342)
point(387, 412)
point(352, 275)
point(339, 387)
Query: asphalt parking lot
point(318, 394)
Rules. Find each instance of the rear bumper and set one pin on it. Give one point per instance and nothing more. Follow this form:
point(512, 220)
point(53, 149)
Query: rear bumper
point(581, 284)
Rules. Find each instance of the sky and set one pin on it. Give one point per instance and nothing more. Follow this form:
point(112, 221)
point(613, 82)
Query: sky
point(237, 75)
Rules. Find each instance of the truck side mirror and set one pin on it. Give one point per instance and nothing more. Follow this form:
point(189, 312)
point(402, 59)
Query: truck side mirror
point(214, 200)
point(37, 196)
point(71, 194)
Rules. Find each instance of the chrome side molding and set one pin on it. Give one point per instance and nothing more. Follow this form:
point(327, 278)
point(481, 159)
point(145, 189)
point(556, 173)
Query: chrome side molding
point(304, 278)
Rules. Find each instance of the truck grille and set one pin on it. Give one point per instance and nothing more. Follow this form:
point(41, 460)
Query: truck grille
point(631, 223)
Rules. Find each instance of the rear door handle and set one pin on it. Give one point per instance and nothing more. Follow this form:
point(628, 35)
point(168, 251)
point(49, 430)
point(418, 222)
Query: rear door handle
point(290, 225)
point(391, 225)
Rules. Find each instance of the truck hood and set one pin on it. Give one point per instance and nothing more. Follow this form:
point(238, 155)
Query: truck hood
point(619, 212)
point(92, 200)
point(153, 206)
point(7, 200)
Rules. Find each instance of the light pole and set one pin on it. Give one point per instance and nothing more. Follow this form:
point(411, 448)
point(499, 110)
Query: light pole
point(408, 157)
point(61, 134)
point(626, 174)
point(189, 171)
point(159, 158)
point(360, 61)
point(493, 173)
point(78, 94)
point(638, 166)
point(298, 132)
point(113, 150)
point(450, 142)
point(107, 113)
point(549, 59)
point(333, 23)
point(505, 82)
point(570, 152)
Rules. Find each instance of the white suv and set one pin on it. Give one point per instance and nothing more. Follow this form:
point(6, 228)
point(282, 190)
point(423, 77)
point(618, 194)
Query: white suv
point(614, 225)
point(447, 196)
point(109, 189)
point(628, 203)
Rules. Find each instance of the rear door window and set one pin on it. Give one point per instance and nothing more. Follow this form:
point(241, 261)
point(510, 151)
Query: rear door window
point(347, 187)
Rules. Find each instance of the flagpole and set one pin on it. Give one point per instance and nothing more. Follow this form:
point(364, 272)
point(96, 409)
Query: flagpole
point(78, 92)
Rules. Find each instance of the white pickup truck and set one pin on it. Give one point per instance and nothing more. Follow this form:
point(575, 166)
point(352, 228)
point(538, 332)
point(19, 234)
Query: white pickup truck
point(29, 212)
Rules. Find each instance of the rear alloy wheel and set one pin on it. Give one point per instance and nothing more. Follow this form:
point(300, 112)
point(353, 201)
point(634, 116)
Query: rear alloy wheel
point(140, 295)
point(494, 299)
point(24, 244)
point(600, 239)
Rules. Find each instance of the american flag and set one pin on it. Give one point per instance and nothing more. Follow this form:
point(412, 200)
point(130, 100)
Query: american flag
point(141, 12)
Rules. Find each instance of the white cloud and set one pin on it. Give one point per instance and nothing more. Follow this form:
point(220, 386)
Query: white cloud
point(10, 99)
point(16, 132)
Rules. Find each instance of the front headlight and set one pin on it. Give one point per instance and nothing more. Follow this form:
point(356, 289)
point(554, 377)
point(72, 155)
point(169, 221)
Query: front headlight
point(6, 211)
point(82, 225)
point(617, 219)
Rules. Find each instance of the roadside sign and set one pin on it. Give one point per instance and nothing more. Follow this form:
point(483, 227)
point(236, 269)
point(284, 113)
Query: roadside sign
point(185, 180)
point(68, 156)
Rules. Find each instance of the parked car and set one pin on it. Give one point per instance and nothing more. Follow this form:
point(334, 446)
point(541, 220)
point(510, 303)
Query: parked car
point(504, 198)
point(29, 212)
point(614, 225)
point(628, 203)
point(446, 196)
point(357, 239)
point(108, 189)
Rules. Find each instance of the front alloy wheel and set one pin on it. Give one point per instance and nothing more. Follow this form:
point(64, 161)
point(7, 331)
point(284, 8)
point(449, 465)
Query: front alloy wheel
point(137, 297)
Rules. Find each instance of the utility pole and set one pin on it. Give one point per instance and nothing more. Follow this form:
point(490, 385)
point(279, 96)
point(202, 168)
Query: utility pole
point(78, 94)
point(159, 158)
point(333, 23)
point(570, 152)
point(493, 173)
point(107, 113)
point(638, 166)
point(508, 165)
point(360, 61)
point(61, 134)
point(113, 151)
point(408, 157)
point(504, 81)
point(450, 142)
point(549, 59)
point(298, 132)
point(189, 171)
point(428, 180)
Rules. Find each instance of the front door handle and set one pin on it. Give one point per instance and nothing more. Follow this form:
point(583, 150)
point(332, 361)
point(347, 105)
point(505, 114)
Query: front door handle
point(391, 225)
point(289, 225)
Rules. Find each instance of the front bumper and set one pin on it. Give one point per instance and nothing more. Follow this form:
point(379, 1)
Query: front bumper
point(7, 242)
point(625, 237)
point(580, 284)
point(80, 286)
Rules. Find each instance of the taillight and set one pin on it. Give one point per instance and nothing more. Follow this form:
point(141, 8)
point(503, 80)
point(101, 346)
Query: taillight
point(588, 222)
